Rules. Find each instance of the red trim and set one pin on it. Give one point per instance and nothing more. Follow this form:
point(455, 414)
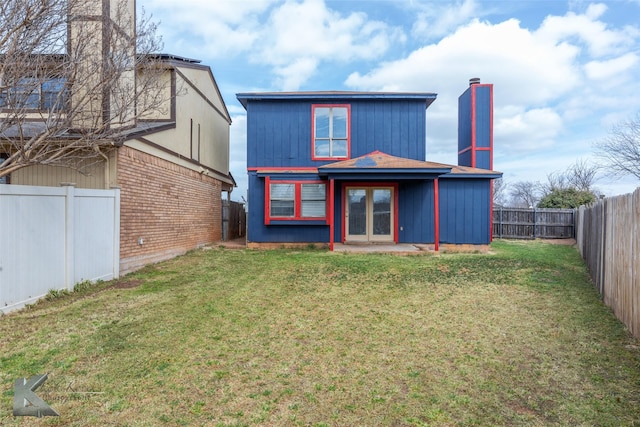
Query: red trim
point(281, 169)
point(343, 222)
point(491, 211)
point(297, 202)
point(332, 216)
point(313, 130)
point(491, 136)
point(267, 200)
point(436, 224)
point(473, 126)
point(395, 214)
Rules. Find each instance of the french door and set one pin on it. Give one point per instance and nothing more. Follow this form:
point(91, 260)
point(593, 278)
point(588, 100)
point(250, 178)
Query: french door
point(369, 214)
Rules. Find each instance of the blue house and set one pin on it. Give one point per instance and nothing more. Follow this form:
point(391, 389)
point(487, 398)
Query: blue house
point(351, 167)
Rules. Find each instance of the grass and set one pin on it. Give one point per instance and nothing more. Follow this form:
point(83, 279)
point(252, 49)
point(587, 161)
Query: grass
point(240, 338)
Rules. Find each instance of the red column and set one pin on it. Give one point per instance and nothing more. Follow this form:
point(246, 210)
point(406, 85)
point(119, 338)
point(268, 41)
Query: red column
point(436, 205)
point(332, 218)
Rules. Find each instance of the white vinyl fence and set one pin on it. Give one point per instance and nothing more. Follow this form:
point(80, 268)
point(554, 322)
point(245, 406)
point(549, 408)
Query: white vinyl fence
point(54, 238)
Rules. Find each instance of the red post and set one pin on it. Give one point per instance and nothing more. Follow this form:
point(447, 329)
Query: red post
point(332, 218)
point(436, 204)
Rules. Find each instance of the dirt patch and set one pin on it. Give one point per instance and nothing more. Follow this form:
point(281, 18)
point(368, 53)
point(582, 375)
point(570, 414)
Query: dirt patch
point(126, 284)
point(567, 242)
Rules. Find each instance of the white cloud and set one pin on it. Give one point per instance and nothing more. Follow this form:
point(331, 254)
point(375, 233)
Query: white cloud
point(586, 28)
point(437, 19)
point(609, 69)
point(291, 38)
point(221, 27)
point(238, 153)
point(526, 130)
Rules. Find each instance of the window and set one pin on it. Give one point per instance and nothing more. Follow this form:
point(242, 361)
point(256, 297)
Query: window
point(35, 94)
point(297, 200)
point(283, 200)
point(330, 132)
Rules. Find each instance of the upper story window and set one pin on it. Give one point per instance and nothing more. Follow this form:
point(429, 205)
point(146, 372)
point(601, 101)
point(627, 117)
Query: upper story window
point(331, 132)
point(35, 94)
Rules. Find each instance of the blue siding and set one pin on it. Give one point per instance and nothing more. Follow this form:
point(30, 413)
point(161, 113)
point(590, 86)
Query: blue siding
point(483, 116)
point(483, 159)
point(257, 231)
point(464, 125)
point(279, 132)
point(416, 212)
point(483, 125)
point(465, 211)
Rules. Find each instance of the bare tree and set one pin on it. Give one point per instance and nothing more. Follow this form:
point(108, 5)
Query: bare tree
point(620, 150)
point(499, 192)
point(74, 78)
point(525, 194)
point(582, 175)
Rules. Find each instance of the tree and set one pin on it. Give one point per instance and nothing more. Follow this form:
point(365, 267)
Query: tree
point(620, 150)
point(566, 198)
point(570, 189)
point(499, 192)
point(71, 85)
point(525, 194)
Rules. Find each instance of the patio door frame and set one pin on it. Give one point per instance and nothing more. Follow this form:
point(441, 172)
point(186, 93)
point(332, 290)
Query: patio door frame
point(369, 187)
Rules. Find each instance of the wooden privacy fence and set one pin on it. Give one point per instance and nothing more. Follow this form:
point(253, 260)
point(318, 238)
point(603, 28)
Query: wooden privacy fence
point(53, 238)
point(607, 235)
point(234, 220)
point(522, 223)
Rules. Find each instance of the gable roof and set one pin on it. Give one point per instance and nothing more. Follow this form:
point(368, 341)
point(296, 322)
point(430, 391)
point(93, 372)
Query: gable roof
point(427, 97)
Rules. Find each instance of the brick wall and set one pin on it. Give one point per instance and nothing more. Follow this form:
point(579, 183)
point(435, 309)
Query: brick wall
point(171, 208)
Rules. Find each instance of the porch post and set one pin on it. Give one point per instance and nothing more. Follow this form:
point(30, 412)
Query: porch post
point(332, 218)
point(436, 216)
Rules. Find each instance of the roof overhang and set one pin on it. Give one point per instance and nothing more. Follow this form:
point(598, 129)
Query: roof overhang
point(381, 166)
point(335, 96)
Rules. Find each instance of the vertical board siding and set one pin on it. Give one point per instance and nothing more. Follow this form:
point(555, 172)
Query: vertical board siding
point(464, 211)
point(607, 237)
point(279, 132)
point(53, 238)
point(464, 123)
point(416, 212)
point(483, 118)
point(258, 232)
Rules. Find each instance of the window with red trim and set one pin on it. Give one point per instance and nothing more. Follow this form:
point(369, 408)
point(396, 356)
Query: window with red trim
point(297, 200)
point(331, 132)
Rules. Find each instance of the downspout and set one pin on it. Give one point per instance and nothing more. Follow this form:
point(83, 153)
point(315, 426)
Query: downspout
point(107, 173)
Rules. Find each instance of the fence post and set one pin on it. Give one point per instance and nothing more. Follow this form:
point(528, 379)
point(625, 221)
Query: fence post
point(116, 234)
point(69, 237)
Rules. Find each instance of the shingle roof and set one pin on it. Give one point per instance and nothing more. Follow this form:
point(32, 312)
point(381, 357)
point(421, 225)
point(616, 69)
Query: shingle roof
point(380, 161)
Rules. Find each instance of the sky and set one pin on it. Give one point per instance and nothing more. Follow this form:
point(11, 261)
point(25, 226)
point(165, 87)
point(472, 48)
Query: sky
point(564, 72)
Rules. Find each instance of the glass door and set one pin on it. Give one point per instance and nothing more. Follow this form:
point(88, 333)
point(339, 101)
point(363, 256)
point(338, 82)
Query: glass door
point(369, 214)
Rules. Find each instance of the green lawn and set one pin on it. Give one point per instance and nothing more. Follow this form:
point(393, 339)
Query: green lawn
point(240, 337)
